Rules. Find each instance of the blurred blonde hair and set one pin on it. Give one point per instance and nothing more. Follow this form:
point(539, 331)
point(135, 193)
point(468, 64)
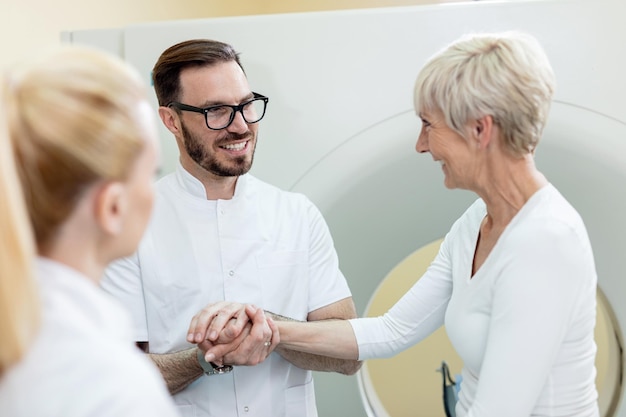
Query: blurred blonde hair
point(19, 304)
point(71, 119)
point(505, 75)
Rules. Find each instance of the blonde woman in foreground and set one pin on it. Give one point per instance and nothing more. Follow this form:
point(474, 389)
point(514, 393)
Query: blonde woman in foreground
point(514, 281)
point(84, 140)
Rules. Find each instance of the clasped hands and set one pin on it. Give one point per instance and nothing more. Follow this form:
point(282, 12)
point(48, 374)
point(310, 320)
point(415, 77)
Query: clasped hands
point(233, 333)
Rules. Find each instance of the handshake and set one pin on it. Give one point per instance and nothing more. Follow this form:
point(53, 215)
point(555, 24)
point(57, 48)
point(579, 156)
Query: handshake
point(233, 333)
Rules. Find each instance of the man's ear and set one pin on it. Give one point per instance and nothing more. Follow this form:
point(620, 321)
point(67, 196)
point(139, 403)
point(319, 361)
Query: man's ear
point(110, 207)
point(482, 130)
point(170, 119)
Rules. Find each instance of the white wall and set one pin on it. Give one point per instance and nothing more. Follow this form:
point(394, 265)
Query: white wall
point(28, 26)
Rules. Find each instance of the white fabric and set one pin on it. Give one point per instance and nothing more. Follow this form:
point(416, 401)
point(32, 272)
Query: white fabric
point(523, 325)
point(83, 362)
point(265, 246)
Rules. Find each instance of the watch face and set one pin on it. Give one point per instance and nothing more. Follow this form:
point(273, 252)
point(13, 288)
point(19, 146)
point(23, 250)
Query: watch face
point(211, 368)
point(224, 369)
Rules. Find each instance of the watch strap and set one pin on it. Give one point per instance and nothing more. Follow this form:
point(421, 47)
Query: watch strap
point(211, 368)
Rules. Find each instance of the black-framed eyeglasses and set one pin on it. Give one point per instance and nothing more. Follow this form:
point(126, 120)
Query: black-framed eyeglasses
point(221, 116)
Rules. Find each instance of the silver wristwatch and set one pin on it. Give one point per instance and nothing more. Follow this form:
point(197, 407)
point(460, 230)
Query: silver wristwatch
point(210, 368)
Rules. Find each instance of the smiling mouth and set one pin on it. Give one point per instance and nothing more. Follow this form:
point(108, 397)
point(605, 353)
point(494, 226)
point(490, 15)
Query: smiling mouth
point(235, 146)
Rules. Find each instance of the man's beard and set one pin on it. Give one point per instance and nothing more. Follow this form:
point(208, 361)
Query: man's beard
point(235, 167)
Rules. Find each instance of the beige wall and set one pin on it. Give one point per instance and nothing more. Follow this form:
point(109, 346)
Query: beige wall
point(32, 25)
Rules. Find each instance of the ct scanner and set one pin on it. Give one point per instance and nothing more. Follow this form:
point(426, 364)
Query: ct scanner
point(340, 128)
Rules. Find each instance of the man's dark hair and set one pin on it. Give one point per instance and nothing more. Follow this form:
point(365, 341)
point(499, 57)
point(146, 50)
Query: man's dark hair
point(191, 53)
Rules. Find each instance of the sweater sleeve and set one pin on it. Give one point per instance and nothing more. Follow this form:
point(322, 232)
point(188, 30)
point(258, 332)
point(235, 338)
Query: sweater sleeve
point(414, 317)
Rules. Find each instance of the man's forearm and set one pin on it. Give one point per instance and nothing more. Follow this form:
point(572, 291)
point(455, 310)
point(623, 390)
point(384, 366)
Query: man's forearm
point(179, 369)
point(319, 363)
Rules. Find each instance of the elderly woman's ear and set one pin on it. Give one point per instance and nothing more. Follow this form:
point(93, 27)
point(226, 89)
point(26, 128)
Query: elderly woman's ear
point(481, 131)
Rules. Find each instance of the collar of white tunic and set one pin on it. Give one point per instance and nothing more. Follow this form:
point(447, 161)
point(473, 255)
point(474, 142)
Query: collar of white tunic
point(194, 187)
point(70, 296)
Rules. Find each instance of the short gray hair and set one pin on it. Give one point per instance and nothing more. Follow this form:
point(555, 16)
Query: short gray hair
point(505, 75)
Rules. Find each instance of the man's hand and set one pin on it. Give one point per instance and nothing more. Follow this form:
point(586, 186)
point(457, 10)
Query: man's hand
point(209, 322)
point(259, 340)
point(242, 332)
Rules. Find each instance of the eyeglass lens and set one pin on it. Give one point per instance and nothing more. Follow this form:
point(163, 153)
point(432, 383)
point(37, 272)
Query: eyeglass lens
point(219, 117)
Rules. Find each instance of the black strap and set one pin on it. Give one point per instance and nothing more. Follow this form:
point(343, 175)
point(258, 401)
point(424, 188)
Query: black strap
point(449, 387)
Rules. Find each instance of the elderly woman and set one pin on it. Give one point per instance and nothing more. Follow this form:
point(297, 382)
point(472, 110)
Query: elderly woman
point(82, 134)
point(514, 281)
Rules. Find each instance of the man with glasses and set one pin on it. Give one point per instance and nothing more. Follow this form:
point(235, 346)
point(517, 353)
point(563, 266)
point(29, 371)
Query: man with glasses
point(220, 237)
